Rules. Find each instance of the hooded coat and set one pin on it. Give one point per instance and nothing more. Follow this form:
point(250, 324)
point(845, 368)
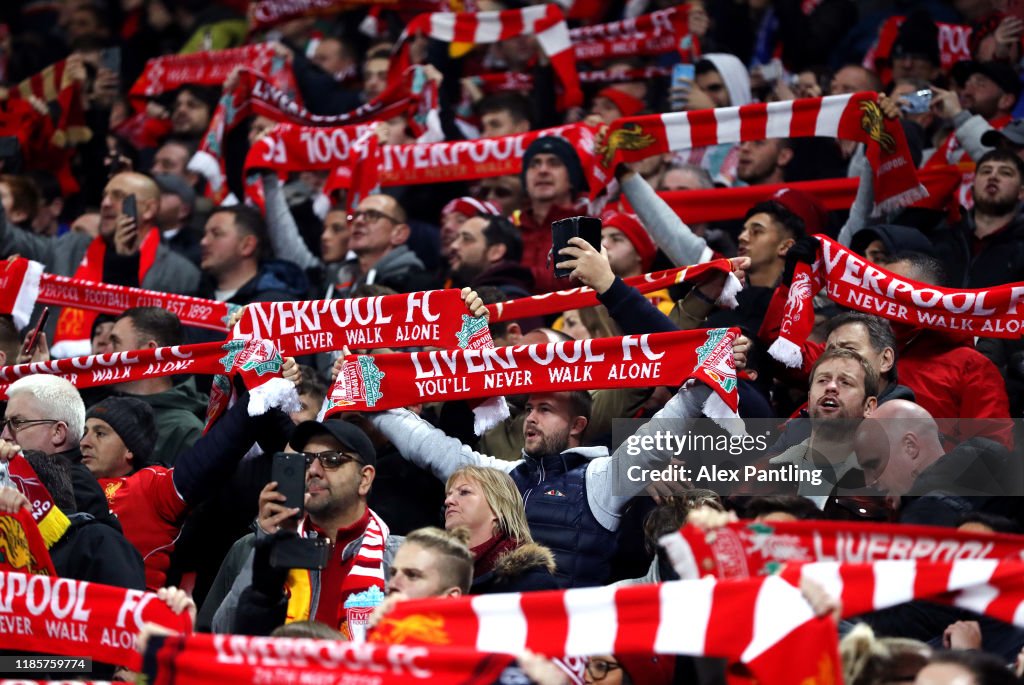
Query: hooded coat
point(526, 568)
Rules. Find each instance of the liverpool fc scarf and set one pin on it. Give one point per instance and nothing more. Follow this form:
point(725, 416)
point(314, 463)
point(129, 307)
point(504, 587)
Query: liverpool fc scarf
point(508, 80)
point(741, 620)
point(387, 381)
point(954, 44)
point(849, 117)
point(745, 549)
point(203, 659)
point(258, 362)
point(851, 281)
point(166, 74)
point(367, 572)
point(51, 521)
point(578, 298)
point(649, 34)
point(19, 289)
point(72, 336)
point(48, 615)
point(22, 548)
point(463, 30)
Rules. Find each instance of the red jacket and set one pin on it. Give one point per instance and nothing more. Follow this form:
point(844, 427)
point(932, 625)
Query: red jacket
point(151, 512)
point(537, 244)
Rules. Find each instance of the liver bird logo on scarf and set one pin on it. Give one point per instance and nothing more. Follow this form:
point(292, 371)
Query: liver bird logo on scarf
point(873, 123)
point(629, 137)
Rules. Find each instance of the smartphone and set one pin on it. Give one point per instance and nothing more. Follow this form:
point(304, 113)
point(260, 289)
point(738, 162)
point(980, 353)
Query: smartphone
point(294, 551)
point(289, 470)
point(129, 208)
point(586, 227)
point(918, 102)
point(110, 58)
point(33, 337)
point(683, 71)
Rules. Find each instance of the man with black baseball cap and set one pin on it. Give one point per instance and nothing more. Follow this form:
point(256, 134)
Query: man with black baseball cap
point(553, 178)
point(988, 93)
point(173, 218)
point(340, 468)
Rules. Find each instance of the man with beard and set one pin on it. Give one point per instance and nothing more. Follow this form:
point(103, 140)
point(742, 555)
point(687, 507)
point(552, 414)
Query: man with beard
point(487, 251)
point(843, 390)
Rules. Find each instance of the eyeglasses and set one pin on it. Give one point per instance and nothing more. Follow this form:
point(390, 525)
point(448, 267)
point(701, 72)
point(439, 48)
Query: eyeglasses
point(14, 425)
point(485, 192)
point(330, 460)
point(598, 669)
point(371, 215)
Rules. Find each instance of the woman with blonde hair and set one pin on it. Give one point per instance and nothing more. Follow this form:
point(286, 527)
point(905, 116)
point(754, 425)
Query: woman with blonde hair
point(487, 503)
point(589, 323)
point(870, 660)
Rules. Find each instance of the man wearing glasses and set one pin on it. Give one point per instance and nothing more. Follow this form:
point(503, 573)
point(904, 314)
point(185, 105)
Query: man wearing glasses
point(46, 413)
point(379, 233)
point(340, 468)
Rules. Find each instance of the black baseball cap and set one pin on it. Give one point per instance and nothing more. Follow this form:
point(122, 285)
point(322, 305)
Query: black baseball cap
point(1001, 73)
point(351, 437)
point(1012, 133)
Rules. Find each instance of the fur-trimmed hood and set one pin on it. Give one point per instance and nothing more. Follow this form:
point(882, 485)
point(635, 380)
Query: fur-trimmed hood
point(525, 558)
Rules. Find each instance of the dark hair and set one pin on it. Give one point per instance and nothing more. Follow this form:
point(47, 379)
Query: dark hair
point(372, 290)
point(929, 269)
point(248, 221)
point(798, 506)
point(54, 471)
point(987, 669)
point(10, 340)
point(47, 185)
point(154, 323)
point(670, 516)
point(870, 375)
point(309, 629)
point(879, 330)
point(500, 231)
point(790, 222)
point(518, 106)
point(310, 383)
point(998, 523)
point(580, 403)
point(704, 66)
point(190, 145)
point(491, 294)
point(25, 195)
point(1003, 155)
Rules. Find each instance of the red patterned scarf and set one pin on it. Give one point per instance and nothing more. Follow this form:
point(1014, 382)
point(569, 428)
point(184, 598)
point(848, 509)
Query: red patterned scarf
point(649, 34)
point(72, 336)
point(264, 14)
point(463, 30)
point(849, 117)
point(51, 521)
point(853, 282)
point(22, 548)
point(387, 381)
point(46, 615)
point(508, 80)
point(749, 549)
point(763, 623)
point(258, 362)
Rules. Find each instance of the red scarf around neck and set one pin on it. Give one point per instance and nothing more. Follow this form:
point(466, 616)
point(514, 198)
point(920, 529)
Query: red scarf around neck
point(487, 553)
point(387, 381)
point(853, 282)
point(72, 337)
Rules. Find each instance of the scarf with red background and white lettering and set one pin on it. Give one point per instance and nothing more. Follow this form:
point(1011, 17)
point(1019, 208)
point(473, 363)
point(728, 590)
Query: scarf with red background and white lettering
point(748, 549)
point(267, 13)
point(954, 46)
point(388, 381)
point(69, 617)
point(257, 361)
point(210, 68)
point(648, 34)
point(849, 117)
point(851, 281)
point(50, 520)
point(463, 30)
point(514, 81)
point(73, 335)
point(411, 96)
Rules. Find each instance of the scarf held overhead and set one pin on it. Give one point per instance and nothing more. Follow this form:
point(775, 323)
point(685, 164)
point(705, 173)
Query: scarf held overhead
point(745, 549)
point(258, 361)
point(849, 117)
point(70, 618)
point(387, 381)
point(853, 282)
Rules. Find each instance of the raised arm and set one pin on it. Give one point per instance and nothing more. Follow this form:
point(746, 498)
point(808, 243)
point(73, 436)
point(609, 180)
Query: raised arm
point(284, 232)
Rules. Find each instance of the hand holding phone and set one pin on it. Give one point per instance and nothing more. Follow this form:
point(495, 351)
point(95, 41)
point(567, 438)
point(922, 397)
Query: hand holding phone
point(289, 471)
point(32, 339)
point(586, 227)
point(126, 233)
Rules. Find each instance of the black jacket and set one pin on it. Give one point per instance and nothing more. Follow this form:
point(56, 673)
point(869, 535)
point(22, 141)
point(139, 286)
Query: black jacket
point(527, 568)
point(977, 475)
point(89, 497)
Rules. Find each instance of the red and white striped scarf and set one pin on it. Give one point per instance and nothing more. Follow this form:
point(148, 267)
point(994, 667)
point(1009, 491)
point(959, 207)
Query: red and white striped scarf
point(466, 29)
point(508, 80)
point(763, 623)
point(853, 282)
point(850, 117)
point(649, 34)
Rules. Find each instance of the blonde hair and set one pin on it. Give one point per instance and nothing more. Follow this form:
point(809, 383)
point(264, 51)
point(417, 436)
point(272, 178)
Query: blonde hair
point(455, 561)
point(599, 322)
point(503, 497)
point(868, 660)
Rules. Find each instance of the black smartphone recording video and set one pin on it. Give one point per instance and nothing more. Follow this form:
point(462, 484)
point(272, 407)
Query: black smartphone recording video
point(129, 208)
point(289, 470)
point(586, 227)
